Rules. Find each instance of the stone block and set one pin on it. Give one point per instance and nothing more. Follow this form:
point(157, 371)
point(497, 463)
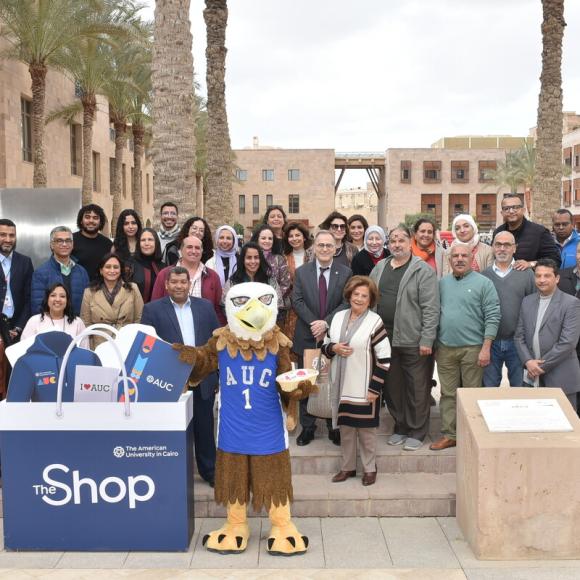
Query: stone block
point(517, 493)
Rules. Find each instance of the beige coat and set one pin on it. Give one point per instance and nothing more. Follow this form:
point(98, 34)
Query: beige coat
point(126, 309)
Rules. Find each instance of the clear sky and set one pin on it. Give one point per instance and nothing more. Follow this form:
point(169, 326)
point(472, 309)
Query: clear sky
point(367, 75)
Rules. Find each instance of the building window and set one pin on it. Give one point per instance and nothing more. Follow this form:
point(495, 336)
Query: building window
point(242, 174)
point(269, 201)
point(26, 109)
point(75, 148)
point(486, 171)
point(112, 134)
point(293, 203)
point(124, 179)
point(459, 171)
point(431, 203)
point(405, 171)
point(432, 171)
point(255, 204)
point(96, 171)
point(241, 204)
point(267, 175)
point(111, 175)
point(293, 174)
point(485, 209)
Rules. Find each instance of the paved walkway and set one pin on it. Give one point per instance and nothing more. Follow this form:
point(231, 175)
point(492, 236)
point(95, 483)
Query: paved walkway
point(391, 548)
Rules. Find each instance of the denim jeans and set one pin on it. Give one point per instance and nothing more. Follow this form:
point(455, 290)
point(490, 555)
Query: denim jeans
point(503, 351)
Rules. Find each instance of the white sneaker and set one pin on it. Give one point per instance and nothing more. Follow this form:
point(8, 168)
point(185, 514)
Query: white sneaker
point(412, 444)
point(396, 439)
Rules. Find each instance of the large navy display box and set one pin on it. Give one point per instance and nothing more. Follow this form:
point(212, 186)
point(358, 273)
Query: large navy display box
point(95, 479)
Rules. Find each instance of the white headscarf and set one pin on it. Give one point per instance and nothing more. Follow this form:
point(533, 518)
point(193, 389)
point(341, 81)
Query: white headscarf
point(231, 254)
point(375, 230)
point(466, 218)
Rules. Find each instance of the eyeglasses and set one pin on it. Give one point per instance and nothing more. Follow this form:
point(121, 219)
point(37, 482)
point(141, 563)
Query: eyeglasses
point(338, 226)
point(509, 208)
point(507, 245)
point(62, 242)
point(325, 246)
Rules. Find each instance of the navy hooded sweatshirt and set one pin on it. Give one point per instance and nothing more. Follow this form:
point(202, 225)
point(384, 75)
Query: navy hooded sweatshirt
point(35, 374)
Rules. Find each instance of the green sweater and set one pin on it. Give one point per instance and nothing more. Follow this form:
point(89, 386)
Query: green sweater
point(470, 310)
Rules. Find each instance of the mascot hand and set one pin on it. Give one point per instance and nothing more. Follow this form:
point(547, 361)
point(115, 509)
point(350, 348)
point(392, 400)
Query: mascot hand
point(187, 354)
point(303, 390)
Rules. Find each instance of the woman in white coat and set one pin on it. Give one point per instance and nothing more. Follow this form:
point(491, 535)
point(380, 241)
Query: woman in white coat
point(360, 351)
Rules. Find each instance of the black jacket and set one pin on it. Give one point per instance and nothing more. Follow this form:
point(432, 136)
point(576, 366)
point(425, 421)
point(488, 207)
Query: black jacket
point(534, 241)
point(567, 284)
point(20, 283)
point(362, 264)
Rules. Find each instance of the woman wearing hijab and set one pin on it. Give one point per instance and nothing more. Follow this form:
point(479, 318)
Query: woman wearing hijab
point(372, 253)
point(465, 230)
point(225, 256)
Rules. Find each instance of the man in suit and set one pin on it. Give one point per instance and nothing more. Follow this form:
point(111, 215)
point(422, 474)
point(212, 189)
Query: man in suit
point(15, 280)
point(317, 295)
point(547, 334)
point(179, 317)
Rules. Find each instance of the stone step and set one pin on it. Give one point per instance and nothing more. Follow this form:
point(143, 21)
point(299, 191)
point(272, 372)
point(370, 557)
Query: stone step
point(321, 457)
point(395, 495)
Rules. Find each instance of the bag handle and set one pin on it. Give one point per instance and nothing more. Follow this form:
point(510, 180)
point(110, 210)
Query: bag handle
point(101, 326)
point(75, 342)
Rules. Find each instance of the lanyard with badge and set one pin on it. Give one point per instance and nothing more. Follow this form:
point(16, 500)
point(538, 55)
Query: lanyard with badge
point(8, 296)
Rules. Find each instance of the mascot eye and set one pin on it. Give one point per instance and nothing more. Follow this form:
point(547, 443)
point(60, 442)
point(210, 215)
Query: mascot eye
point(266, 299)
point(240, 300)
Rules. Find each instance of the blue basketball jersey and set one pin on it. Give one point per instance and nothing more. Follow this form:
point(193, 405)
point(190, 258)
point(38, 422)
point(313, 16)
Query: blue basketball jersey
point(250, 418)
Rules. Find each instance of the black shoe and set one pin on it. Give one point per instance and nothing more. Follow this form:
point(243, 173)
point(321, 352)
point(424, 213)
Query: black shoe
point(334, 436)
point(305, 437)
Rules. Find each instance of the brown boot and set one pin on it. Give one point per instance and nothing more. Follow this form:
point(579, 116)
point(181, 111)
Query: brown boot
point(343, 476)
point(369, 478)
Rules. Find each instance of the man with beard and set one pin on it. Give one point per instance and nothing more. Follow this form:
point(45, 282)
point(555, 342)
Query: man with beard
point(15, 282)
point(168, 230)
point(512, 287)
point(470, 317)
point(90, 245)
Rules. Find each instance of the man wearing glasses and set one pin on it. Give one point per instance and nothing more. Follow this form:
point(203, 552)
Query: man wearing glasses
point(534, 241)
point(512, 287)
point(566, 236)
point(169, 229)
point(60, 267)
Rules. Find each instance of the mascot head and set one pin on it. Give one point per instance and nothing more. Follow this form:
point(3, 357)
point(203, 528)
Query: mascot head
point(251, 309)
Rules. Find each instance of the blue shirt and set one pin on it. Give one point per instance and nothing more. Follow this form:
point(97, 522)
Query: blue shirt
point(185, 321)
point(8, 306)
point(251, 421)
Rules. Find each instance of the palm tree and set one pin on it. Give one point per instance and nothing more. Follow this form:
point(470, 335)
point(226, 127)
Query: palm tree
point(173, 144)
point(218, 185)
point(548, 178)
point(121, 91)
point(38, 32)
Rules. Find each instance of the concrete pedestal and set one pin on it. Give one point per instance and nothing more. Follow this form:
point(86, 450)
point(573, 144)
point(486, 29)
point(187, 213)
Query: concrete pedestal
point(518, 494)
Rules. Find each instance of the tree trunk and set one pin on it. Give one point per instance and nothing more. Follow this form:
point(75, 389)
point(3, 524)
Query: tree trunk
point(548, 177)
point(173, 145)
point(120, 143)
point(138, 151)
point(218, 208)
point(38, 76)
point(89, 108)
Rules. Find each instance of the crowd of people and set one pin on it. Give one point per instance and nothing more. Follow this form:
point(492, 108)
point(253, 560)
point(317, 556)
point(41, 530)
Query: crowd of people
point(383, 307)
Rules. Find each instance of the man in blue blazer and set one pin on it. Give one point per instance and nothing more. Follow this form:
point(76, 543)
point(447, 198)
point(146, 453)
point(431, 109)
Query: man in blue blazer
point(188, 320)
point(15, 279)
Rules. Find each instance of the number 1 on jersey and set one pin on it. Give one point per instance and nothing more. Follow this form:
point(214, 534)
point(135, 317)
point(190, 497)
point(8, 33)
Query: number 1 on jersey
point(246, 393)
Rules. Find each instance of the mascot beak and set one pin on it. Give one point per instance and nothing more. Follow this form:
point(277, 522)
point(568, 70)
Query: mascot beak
point(255, 315)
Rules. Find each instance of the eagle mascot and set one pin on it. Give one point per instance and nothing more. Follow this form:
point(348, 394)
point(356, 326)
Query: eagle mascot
point(252, 441)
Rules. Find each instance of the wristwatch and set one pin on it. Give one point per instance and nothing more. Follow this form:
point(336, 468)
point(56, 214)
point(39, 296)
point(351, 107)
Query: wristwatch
point(533, 263)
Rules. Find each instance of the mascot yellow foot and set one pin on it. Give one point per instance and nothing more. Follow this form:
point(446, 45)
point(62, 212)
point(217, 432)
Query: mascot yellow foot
point(285, 539)
point(232, 537)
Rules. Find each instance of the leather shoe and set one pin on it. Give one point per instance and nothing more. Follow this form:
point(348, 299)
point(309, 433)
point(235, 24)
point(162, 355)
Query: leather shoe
point(343, 476)
point(369, 478)
point(334, 436)
point(305, 437)
point(442, 443)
